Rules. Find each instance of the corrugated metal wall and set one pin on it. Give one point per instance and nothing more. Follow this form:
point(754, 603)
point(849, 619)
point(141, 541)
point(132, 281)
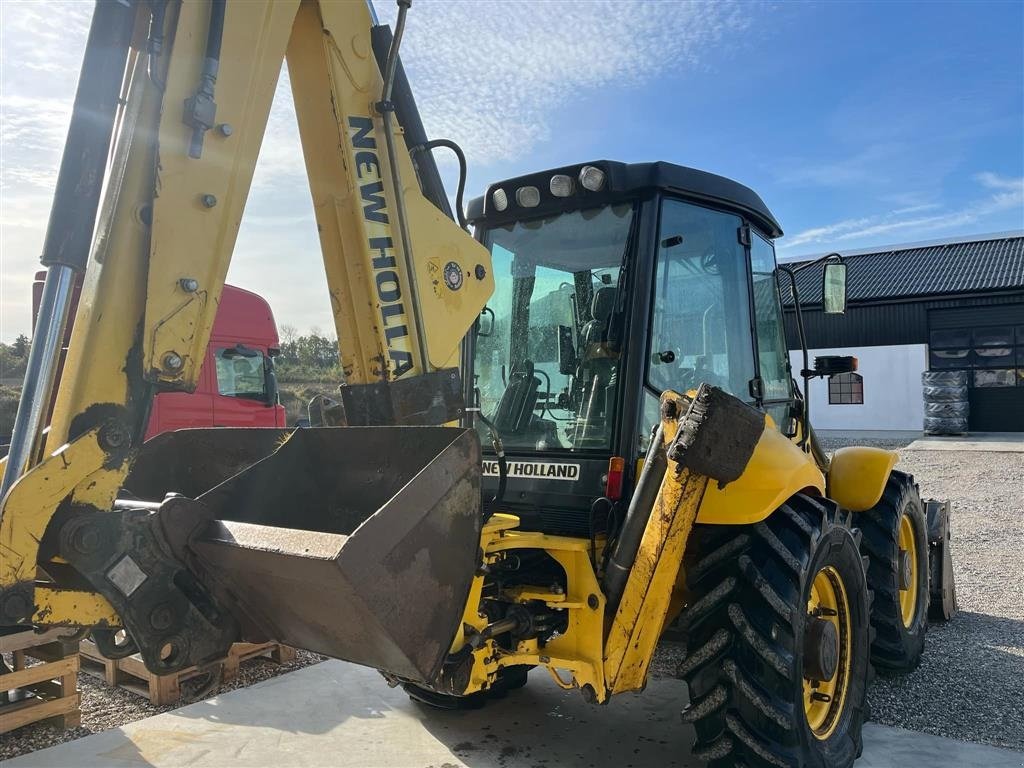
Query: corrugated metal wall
point(901, 322)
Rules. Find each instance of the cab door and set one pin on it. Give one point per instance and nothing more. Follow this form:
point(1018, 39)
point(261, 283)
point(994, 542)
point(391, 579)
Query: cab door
point(700, 318)
point(700, 325)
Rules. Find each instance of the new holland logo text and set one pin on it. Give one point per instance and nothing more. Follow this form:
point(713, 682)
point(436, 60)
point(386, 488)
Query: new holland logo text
point(546, 470)
point(378, 230)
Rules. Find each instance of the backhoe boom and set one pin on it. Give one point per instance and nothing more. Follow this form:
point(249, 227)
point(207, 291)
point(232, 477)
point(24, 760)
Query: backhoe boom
point(196, 82)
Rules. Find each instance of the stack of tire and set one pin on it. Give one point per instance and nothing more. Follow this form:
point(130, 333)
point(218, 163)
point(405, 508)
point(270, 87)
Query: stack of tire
point(945, 402)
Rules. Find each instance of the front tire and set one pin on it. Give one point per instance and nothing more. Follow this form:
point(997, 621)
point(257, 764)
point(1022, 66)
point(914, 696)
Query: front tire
point(895, 540)
point(771, 684)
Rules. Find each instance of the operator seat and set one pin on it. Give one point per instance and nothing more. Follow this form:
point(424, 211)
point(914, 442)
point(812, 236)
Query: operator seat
point(595, 330)
point(597, 370)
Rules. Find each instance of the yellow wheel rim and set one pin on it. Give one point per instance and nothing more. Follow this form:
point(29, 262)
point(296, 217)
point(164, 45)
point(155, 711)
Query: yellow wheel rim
point(824, 699)
point(908, 555)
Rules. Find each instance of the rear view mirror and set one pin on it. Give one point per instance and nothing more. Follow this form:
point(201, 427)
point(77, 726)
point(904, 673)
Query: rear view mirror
point(485, 329)
point(833, 291)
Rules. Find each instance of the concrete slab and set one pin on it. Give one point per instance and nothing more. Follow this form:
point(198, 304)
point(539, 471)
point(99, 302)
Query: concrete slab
point(1000, 442)
point(344, 716)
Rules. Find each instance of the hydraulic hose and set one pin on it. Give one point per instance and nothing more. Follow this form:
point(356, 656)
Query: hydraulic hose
point(460, 210)
point(200, 109)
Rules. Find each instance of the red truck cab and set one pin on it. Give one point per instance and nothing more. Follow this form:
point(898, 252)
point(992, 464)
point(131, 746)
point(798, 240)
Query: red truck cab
point(237, 386)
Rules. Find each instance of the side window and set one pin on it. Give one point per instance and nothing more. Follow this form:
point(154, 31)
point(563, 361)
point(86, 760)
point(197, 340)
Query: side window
point(771, 336)
point(240, 373)
point(701, 319)
point(845, 389)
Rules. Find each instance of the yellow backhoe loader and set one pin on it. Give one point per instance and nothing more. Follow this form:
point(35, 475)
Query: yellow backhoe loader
point(611, 333)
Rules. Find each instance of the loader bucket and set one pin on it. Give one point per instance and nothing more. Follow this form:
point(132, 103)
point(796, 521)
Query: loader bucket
point(356, 542)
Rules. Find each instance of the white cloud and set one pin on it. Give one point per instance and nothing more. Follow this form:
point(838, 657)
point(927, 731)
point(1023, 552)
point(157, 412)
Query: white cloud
point(1008, 195)
point(493, 76)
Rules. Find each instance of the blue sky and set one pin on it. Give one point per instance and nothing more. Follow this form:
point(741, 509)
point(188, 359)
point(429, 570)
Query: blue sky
point(860, 124)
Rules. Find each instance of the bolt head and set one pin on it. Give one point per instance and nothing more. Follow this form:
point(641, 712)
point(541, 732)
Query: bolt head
point(16, 603)
point(173, 361)
point(225, 129)
point(162, 617)
point(114, 435)
point(479, 272)
point(189, 284)
point(208, 200)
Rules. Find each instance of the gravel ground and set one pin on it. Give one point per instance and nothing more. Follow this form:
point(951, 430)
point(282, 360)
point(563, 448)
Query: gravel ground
point(970, 685)
point(104, 707)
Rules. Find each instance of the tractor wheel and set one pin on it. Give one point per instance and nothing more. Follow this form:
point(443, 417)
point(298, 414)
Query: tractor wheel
point(895, 540)
point(777, 640)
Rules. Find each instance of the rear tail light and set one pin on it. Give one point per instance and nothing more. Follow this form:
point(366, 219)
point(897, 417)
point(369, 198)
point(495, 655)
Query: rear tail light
point(615, 478)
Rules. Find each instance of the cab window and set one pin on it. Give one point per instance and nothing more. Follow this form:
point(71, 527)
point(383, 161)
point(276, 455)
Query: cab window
point(240, 372)
point(701, 328)
point(771, 337)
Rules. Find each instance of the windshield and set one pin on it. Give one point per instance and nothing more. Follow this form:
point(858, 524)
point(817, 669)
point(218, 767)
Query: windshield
point(547, 359)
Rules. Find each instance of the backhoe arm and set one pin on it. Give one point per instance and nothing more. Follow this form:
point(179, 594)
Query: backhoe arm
point(195, 82)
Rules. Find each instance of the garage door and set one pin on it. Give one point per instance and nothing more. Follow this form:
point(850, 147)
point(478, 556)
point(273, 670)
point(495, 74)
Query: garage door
point(988, 342)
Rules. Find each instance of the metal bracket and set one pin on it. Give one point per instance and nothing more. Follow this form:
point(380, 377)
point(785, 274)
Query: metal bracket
point(168, 614)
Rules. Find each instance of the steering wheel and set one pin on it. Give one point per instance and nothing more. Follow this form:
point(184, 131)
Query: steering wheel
point(691, 378)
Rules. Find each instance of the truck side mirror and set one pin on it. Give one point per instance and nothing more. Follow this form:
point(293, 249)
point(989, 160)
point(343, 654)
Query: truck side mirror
point(833, 290)
point(270, 388)
point(566, 351)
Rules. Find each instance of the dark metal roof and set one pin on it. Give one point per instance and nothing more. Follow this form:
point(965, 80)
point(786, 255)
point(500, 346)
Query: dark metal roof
point(626, 180)
point(932, 270)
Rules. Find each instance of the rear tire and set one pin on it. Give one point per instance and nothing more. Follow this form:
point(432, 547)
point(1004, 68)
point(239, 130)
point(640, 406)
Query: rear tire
point(895, 538)
point(749, 638)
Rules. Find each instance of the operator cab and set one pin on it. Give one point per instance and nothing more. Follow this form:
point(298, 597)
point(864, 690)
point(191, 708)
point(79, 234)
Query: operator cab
point(614, 282)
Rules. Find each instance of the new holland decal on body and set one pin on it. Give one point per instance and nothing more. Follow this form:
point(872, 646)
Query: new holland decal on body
point(547, 470)
point(378, 232)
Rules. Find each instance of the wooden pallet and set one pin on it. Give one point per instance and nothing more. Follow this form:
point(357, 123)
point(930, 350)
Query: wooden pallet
point(47, 691)
point(131, 674)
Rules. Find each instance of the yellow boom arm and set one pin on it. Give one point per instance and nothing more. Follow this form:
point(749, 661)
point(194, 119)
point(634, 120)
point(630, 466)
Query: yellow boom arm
point(194, 82)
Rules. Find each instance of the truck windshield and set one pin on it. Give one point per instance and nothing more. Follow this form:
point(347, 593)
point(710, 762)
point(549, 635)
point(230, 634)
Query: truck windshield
point(546, 365)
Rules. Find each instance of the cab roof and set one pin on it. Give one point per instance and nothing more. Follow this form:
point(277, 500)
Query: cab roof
point(624, 180)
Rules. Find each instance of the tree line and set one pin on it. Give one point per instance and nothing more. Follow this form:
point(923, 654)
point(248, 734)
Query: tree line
point(308, 357)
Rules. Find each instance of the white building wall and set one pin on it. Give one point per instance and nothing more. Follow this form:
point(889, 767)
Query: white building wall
point(892, 389)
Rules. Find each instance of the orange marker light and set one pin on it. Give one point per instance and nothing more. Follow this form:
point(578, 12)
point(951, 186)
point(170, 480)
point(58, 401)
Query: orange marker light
point(616, 475)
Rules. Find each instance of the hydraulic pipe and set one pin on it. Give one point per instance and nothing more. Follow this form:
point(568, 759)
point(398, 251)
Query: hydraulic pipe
point(409, 118)
point(633, 527)
point(387, 108)
point(72, 218)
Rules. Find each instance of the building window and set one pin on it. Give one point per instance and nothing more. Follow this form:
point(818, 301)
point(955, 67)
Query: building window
point(995, 355)
point(845, 389)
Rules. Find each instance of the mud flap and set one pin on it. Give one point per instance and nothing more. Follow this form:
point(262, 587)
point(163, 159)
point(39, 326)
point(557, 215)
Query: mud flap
point(356, 542)
point(942, 605)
